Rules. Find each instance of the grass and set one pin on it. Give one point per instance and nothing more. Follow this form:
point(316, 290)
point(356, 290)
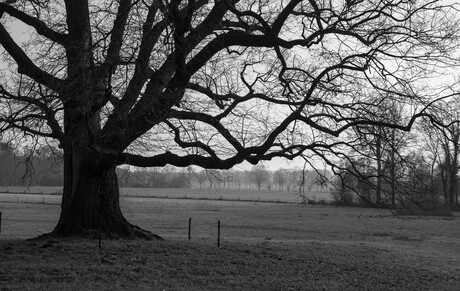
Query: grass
point(202, 194)
point(180, 265)
point(265, 246)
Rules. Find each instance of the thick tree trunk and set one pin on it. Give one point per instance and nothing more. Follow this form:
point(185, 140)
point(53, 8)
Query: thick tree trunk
point(90, 201)
point(91, 195)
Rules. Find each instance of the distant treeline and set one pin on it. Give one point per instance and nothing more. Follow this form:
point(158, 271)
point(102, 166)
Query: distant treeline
point(257, 178)
point(154, 178)
point(45, 168)
point(42, 168)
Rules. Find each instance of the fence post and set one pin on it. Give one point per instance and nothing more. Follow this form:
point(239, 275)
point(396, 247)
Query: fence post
point(100, 231)
point(218, 234)
point(189, 227)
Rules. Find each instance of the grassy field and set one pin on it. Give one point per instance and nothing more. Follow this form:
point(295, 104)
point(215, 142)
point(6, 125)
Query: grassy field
point(264, 246)
point(139, 193)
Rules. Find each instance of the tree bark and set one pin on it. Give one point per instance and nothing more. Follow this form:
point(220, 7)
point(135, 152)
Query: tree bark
point(393, 179)
point(452, 184)
point(393, 168)
point(378, 149)
point(90, 201)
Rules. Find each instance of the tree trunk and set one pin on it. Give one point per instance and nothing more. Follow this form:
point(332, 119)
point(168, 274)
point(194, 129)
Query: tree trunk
point(452, 184)
point(378, 149)
point(456, 197)
point(91, 200)
point(393, 169)
point(444, 180)
point(393, 182)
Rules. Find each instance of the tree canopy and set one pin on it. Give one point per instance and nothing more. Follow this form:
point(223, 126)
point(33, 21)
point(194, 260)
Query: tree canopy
point(224, 80)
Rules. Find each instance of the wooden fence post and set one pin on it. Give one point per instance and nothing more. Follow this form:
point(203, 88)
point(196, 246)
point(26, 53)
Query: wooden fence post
point(100, 231)
point(189, 227)
point(218, 234)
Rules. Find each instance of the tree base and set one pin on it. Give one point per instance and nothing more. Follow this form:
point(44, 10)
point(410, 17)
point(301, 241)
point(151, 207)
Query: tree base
point(135, 233)
point(90, 207)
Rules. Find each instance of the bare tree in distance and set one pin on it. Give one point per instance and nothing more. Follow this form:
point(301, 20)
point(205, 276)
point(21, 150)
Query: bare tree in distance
point(280, 177)
point(201, 177)
point(384, 149)
point(443, 138)
point(207, 83)
point(259, 175)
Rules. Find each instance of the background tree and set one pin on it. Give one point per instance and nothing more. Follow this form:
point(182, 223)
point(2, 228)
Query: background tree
point(415, 189)
point(207, 83)
point(302, 183)
point(259, 175)
point(442, 134)
point(201, 177)
point(354, 183)
point(396, 141)
point(29, 167)
point(383, 149)
point(238, 178)
point(8, 162)
point(280, 178)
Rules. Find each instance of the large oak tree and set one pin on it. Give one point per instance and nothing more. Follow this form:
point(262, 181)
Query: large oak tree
point(211, 83)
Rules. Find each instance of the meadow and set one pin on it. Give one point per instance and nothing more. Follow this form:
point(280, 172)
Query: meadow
point(37, 193)
point(264, 246)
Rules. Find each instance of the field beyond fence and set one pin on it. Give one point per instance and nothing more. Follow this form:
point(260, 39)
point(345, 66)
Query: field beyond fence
point(264, 246)
point(51, 195)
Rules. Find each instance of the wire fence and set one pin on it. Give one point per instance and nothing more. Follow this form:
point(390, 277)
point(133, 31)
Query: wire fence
point(29, 214)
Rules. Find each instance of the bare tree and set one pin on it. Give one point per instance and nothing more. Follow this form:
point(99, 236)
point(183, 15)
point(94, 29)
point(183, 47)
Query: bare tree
point(207, 83)
point(443, 135)
point(201, 177)
point(383, 148)
point(238, 178)
point(280, 177)
point(8, 162)
point(301, 184)
point(259, 175)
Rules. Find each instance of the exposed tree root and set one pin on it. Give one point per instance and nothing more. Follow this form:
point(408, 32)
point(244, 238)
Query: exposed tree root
point(134, 232)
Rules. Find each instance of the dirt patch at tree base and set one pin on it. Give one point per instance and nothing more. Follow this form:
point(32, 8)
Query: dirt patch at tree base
point(200, 265)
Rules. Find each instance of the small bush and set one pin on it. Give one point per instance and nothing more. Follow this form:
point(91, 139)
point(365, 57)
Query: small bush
point(455, 208)
point(424, 208)
point(344, 198)
point(381, 234)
